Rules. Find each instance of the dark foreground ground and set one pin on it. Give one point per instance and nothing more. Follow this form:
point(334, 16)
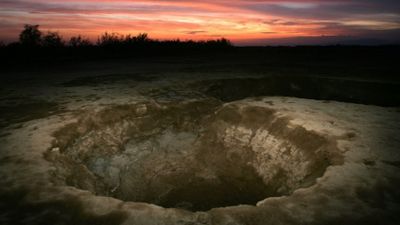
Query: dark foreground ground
point(367, 75)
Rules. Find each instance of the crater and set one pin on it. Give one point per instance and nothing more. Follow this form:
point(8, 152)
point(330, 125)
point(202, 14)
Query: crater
point(194, 155)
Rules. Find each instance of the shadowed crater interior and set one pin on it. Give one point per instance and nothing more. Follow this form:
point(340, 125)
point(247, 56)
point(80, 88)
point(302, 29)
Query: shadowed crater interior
point(195, 155)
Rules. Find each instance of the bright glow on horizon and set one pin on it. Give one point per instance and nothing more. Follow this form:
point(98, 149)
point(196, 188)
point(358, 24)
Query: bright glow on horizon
point(239, 21)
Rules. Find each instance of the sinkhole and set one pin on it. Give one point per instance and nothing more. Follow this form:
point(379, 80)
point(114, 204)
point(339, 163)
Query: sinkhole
point(193, 155)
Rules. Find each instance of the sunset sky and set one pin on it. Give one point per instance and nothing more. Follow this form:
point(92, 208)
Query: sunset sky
point(242, 21)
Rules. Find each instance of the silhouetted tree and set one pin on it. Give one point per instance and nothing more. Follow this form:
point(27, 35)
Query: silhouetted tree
point(79, 41)
point(52, 39)
point(30, 36)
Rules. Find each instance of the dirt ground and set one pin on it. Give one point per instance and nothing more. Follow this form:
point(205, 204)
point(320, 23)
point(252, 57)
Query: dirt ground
point(178, 141)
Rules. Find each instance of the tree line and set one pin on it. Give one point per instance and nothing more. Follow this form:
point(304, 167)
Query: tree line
point(32, 37)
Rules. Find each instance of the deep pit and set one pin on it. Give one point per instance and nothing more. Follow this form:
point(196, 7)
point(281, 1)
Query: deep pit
point(194, 155)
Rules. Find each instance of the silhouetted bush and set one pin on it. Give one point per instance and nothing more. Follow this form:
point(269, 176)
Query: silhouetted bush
point(110, 39)
point(143, 37)
point(52, 39)
point(79, 41)
point(117, 40)
point(140, 38)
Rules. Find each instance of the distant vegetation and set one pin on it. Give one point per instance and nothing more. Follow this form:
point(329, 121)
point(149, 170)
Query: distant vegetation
point(38, 49)
point(33, 37)
point(35, 46)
